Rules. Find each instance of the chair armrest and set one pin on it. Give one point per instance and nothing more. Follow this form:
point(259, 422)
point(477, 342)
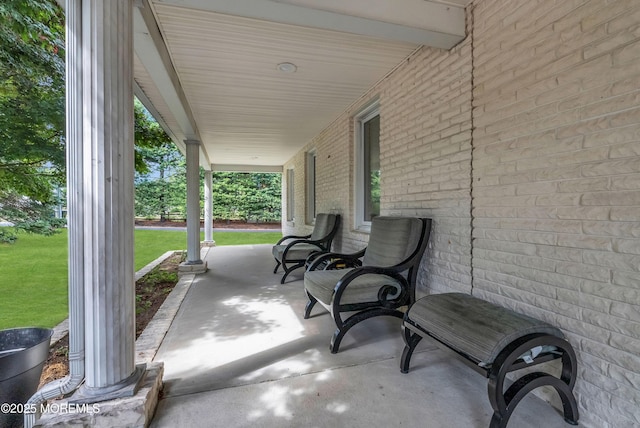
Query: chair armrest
point(293, 243)
point(317, 243)
point(350, 276)
point(349, 259)
point(284, 238)
point(312, 257)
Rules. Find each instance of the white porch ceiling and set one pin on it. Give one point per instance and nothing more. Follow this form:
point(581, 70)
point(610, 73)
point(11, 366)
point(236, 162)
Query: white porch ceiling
point(208, 69)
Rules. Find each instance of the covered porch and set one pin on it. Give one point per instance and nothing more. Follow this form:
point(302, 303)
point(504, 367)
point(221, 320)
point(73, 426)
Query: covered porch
point(240, 353)
point(513, 125)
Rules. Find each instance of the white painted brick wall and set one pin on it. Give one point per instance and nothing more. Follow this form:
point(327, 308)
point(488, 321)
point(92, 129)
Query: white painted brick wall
point(333, 176)
point(557, 152)
point(553, 180)
point(425, 158)
point(425, 143)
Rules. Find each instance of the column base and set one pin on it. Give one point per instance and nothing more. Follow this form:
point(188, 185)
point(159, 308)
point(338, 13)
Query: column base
point(133, 411)
point(211, 243)
point(125, 388)
point(192, 267)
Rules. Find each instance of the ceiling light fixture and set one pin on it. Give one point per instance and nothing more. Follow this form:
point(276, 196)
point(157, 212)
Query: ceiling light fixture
point(287, 67)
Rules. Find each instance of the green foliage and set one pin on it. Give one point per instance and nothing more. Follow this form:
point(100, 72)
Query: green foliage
point(29, 215)
point(154, 147)
point(141, 304)
point(247, 196)
point(236, 196)
point(31, 97)
point(41, 226)
point(157, 276)
point(161, 185)
point(159, 198)
point(374, 207)
point(7, 235)
point(32, 105)
point(32, 109)
point(33, 33)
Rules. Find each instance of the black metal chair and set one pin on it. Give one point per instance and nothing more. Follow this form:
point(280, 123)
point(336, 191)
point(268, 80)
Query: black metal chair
point(292, 251)
point(376, 281)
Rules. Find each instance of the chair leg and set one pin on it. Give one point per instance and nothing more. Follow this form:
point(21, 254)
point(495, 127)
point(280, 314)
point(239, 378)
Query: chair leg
point(504, 402)
point(284, 276)
point(288, 270)
point(334, 345)
point(520, 388)
point(310, 304)
point(344, 327)
point(275, 270)
point(411, 341)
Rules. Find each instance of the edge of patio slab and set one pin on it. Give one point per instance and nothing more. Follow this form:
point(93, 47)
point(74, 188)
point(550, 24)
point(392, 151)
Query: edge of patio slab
point(136, 411)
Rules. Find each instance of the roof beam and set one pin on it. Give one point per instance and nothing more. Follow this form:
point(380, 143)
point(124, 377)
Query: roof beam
point(421, 22)
point(142, 97)
point(151, 50)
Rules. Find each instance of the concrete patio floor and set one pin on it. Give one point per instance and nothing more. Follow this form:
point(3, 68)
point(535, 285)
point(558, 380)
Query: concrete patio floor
point(239, 354)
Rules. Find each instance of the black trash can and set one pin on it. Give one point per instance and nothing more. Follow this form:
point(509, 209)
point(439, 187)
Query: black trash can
point(23, 352)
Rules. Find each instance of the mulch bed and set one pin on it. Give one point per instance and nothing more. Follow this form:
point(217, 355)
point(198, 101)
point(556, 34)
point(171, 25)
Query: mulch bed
point(151, 291)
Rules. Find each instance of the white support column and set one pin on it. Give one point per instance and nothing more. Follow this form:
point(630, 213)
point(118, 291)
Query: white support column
point(208, 209)
point(99, 116)
point(107, 200)
point(75, 225)
point(194, 263)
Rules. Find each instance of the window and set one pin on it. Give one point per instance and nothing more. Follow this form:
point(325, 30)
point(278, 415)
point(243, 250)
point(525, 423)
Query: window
point(311, 187)
point(368, 167)
point(291, 198)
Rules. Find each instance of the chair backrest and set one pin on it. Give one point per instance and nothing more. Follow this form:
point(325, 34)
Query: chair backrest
point(394, 239)
point(325, 227)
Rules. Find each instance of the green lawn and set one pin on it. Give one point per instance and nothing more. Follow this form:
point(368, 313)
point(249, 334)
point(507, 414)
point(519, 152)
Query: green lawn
point(33, 271)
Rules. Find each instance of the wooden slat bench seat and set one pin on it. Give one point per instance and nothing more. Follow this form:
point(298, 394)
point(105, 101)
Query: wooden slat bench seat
point(496, 341)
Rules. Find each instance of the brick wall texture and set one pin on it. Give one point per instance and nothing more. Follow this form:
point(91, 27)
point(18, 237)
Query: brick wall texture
point(522, 143)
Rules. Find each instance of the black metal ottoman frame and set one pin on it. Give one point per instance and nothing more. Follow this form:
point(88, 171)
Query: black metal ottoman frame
point(509, 360)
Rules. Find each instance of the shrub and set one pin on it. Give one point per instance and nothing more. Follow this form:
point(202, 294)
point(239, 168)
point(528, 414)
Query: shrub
point(7, 235)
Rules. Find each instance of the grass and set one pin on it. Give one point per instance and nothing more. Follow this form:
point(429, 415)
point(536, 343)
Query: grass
point(33, 271)
point(33, 281)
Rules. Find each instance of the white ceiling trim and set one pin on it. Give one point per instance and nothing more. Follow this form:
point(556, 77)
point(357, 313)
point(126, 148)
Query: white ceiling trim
point(440, 25)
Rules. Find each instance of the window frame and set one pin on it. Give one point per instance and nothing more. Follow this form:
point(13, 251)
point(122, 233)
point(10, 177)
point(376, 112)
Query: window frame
point(369, 112)
point(310, 166)
point(290, 195)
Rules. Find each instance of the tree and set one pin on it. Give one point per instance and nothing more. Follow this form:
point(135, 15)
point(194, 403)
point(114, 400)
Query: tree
point(246, 196)
point(160, 175)
point(236, 196)
point(265, 201)
point(31, 98)
point(32, 114)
